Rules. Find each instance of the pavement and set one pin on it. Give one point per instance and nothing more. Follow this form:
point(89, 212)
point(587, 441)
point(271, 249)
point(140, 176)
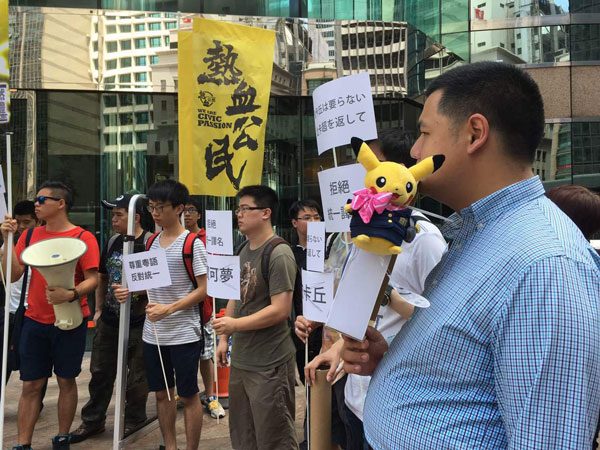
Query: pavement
point(214, 435)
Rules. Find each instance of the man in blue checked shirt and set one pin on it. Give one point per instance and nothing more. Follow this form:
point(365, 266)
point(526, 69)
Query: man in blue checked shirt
point(508, 354)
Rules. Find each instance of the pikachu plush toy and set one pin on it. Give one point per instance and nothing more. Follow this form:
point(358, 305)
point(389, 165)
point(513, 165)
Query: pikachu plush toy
point(381, 219)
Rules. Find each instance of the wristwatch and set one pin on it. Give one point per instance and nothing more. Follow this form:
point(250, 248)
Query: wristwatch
point(75, 295)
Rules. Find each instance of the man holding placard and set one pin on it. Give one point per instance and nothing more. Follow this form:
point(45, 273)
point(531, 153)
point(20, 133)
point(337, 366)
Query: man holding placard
point(262, 380)
point(44, 347)
point(507, 354)
point(191, 217)
point(172, 330)
point(103, 364)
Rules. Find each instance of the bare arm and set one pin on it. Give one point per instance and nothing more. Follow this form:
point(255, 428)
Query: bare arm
point(277, 312)
point(158, 311)
point(10, 225)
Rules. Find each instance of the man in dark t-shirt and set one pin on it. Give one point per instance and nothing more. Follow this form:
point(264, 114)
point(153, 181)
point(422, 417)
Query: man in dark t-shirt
point(103, 365)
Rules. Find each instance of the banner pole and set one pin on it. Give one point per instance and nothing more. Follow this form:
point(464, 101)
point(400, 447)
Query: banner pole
point(8, 248)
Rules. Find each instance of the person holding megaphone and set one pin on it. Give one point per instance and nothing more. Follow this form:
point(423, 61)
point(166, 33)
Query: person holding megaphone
point(43, 346)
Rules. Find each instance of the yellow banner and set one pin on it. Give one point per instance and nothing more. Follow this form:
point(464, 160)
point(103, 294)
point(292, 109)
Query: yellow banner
point(4, 67)
point(224, 86)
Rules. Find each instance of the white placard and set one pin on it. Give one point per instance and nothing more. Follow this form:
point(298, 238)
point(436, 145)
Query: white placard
point(219, 232)
point(3, 208)
point(337, 186)
point(2, 185)
point(223, 276)
point(317, 295)
point(147, 270)
point(315, 246)
point(343, 109)
point(357, 293)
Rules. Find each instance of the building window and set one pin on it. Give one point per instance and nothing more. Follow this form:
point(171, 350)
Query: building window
point(110, 100)
point(125, 78)
point(112, 47)
point(313, 84)
point(154, 26)
point(153, 59)
point(126, 45)
point(140, 60)
point(141, 137)
point(126, 119)
point(518, 35)
point(155, 42)
point(125, 62)
point(126, 138)
point(95, 46)
point(519, 51)
point(111, 64)
point(140, 43)
point(501, 44)
point(163, 105)
point(110, 139)
point(170, 25)
point(95, 64)
point(141, 118)
point(481, 5)
point(108, 119)
point(154, 15)
point(141, 99)
point(481, 44)
point(125, 28)
point(111, 29)
point(141, 77)
point(109, 83)
point(140, 27)
point(167, 40)
point(126, 99)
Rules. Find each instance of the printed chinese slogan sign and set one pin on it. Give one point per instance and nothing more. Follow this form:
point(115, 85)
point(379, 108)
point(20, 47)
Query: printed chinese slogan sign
point(336, 186)
point(4, 67)
point(343, 109)
point(224, 78)
point(147, 270)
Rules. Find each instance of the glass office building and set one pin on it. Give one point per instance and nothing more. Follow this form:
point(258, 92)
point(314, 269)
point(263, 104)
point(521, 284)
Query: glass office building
point(94, 83)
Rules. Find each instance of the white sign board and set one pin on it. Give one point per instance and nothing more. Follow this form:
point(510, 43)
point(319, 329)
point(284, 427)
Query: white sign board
point(337, 186)
point(317, 295)
point(219, 232)
point(357, 293)
point(223, 276)
point(147, 270)
point(2, 186)
point(315, 246)
point(343, 109)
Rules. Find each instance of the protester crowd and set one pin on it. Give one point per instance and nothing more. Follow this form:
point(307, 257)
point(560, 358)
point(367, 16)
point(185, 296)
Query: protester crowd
point(507, 355)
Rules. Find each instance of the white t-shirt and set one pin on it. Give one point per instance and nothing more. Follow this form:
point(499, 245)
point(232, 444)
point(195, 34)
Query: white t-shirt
point(412, 266)
point(183, 326)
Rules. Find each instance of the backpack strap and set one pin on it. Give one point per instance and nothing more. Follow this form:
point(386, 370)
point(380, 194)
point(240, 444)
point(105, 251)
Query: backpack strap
point(266, 256)
point(26, 272)
point(188, 256)
point(150, 240)
point(111, 242)
point(147, 235)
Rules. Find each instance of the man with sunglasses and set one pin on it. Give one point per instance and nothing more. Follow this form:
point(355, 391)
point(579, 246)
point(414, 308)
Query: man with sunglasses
point(44, 347)
point(262, 379)
point(191, 217)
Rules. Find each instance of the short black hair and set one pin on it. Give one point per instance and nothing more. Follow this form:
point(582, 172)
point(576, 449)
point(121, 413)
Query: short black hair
point(395, 145)
point(263, 196)
point(25, 207)
point(507, 96)
point(196, 203)
point(60, 189)
point(170, 191)
point(299, 205)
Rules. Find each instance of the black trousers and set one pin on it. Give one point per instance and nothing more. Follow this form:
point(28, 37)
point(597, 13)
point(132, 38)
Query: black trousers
point(103, 368)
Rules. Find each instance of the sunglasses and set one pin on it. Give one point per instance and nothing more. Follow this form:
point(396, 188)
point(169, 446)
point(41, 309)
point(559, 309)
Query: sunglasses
point(41, 199)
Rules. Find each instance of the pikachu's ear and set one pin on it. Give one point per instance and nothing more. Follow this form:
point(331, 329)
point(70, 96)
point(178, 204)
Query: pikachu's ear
point(364, 154)
point(427, 166)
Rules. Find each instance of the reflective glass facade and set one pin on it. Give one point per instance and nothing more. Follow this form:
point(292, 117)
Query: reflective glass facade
point(95, 83)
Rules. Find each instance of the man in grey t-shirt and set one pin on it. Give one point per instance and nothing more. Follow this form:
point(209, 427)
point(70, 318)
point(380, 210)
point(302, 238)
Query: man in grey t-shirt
point(262, 379)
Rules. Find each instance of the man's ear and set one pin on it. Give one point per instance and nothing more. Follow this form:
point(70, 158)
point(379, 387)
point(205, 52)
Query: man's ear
point(478, 128)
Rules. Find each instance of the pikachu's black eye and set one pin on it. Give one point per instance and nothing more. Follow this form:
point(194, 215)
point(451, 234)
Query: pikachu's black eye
point(380, 182)
point(409, 187)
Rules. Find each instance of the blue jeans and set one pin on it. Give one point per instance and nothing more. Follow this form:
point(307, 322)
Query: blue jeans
point(355, 433)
